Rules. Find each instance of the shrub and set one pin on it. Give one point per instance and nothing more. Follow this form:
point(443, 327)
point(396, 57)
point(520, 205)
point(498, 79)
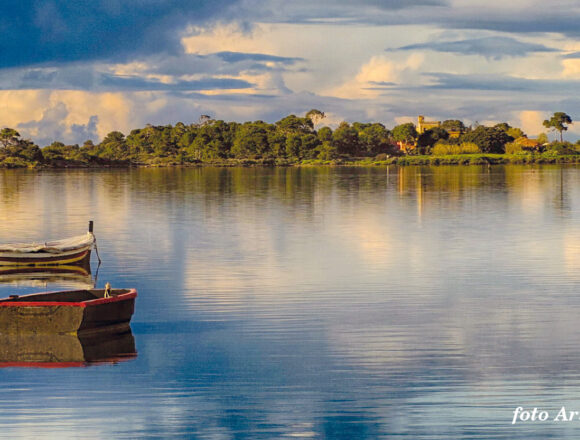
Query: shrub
point(469, 148)
point(443, 149)
point(561, 148)
point(448, 149)
point(513, 148)
point(13, 162)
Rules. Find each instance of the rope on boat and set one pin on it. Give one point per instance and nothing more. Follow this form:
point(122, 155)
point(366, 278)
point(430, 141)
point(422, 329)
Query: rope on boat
point(91, 227)
point(96, 276)
point(96, 249)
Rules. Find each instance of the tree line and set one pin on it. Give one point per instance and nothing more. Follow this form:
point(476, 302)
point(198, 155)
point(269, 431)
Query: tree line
point(293, 139)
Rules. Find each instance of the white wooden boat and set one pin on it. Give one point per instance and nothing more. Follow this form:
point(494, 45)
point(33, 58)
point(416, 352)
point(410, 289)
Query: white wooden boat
point(73, 250)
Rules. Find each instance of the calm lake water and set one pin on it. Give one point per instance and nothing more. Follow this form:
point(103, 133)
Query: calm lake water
point(419, 303)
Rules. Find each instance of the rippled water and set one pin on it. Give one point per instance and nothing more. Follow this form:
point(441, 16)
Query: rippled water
point(422, 303)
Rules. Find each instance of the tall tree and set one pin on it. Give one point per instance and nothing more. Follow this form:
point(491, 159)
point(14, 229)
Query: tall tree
point(292, 124)
point(453, 125)
point(114, 146)
point(345, 139)
point(251, 140)
point(315, 116)
point(558, 122)
point(405, 133)
point(9, 136)
point(375, 139)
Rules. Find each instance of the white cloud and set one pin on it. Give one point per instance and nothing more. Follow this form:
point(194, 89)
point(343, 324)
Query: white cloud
point(405, 119)
point(53, 115)
point(531, 122)
point(571, 68)
point(229, 38)
point(377, 73)
point(21, 105)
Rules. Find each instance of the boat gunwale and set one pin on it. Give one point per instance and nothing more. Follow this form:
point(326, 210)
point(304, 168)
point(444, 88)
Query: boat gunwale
point(131, 294)
point(54, 247)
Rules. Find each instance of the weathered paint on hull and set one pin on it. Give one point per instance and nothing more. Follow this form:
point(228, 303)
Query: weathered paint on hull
point(106, 315)
point(35, 319)
point(58, 313)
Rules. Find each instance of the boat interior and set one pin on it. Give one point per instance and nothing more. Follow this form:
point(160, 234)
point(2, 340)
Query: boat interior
point(67, 296)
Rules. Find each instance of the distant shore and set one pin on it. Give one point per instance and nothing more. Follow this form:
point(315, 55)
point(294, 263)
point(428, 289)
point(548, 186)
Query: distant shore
point(419, 160)
point(294, 141)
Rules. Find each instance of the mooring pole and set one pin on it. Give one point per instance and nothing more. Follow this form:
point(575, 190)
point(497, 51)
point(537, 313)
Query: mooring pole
point(91, 226)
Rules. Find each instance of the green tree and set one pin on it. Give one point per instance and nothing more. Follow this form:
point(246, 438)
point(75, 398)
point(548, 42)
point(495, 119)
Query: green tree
point(55, 151)
point(503, 126)
point(488, 139)
point(23, 152)
point(515, 132)
point(429, 137)
point(294, 145)
point(9, 136)
point(558, 122)
point(454, 125)
point(315, 116)
point(375, 139)
point(293, 123)
point(309, 145)
point(345, 139)
point(325, 134)
point(327, 151)
point(277, 142)
point(405, 133)
point(113, 146)
point(210, 141)
point(251, 140)
point(542, 138)
point(30, 152)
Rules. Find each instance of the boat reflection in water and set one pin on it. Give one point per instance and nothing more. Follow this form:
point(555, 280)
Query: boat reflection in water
point(43, 348)
point(66, 350)
point(70, 276)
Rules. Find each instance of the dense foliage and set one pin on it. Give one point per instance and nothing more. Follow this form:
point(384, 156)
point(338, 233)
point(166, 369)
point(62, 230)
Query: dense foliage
point(293, 139)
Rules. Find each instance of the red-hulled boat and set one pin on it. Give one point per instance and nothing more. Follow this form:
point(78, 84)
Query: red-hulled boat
point(73, 312)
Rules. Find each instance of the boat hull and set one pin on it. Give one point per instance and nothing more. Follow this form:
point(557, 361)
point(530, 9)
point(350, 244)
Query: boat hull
point(19, 259)
point(72, 312)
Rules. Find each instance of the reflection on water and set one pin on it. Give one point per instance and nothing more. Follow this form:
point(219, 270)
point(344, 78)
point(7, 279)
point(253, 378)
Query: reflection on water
point(425, 303)
point(68, 277)
point(62, 350)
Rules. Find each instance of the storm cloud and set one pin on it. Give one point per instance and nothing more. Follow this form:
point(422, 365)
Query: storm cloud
point(52, 31)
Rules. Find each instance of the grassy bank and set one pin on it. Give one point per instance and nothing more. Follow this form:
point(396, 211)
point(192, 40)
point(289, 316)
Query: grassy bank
point(459, 159)
point(472, 159)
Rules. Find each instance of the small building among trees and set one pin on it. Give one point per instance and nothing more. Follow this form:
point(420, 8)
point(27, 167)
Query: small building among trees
point(455, 128)
point(423, 125)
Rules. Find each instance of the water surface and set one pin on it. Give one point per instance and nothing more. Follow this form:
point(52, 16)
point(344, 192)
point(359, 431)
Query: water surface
point(423, 303)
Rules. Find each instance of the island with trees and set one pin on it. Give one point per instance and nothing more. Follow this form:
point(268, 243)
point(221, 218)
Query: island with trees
point(295, 140)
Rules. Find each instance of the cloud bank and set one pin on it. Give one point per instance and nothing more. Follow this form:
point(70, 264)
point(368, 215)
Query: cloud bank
point(76, 70)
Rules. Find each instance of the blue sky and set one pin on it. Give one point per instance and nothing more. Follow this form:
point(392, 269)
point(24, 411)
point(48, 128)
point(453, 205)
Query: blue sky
point(71, 71)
